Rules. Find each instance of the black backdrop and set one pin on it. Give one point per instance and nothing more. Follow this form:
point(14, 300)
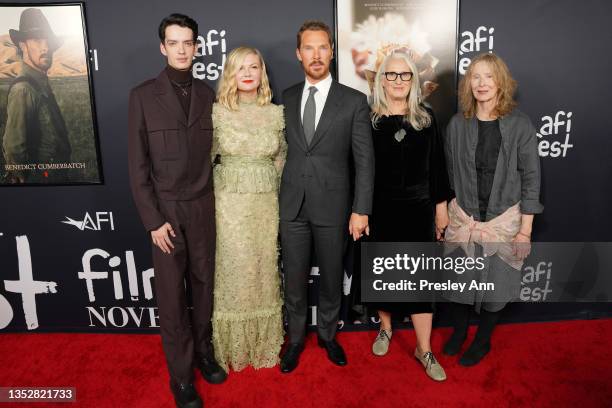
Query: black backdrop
point(557, 50)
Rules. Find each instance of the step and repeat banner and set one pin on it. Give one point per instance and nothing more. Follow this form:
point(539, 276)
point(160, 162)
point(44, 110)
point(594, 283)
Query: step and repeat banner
point(74, 255)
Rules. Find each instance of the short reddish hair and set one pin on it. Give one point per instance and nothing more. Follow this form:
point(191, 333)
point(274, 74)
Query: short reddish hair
point(314, 25)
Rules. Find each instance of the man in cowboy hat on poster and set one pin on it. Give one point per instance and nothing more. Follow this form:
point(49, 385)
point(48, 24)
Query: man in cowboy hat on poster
point(35, 129)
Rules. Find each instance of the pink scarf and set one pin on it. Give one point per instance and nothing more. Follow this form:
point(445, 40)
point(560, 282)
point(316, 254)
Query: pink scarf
point(495, 236)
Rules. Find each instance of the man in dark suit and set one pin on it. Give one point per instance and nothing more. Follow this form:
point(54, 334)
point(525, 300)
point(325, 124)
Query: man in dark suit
point(326, 123)
point(169, 143)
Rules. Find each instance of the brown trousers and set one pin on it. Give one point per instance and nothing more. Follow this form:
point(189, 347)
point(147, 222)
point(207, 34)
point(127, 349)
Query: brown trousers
point(192, 260)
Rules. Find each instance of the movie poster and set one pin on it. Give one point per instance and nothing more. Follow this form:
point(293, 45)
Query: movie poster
point(47, 118)
point(425, 29)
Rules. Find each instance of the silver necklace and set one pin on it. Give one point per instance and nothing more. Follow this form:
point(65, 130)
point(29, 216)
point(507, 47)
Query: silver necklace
point(183, 89)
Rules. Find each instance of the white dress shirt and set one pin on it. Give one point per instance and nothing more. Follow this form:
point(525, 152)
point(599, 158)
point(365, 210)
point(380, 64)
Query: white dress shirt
point(320, 97)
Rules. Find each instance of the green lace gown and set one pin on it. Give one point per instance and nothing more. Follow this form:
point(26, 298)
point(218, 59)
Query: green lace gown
point(247, 315)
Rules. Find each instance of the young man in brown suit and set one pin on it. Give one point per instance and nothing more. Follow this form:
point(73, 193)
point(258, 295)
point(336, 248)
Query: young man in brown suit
point(169, 143)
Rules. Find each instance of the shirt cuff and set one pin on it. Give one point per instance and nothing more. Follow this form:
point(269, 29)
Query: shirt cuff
point(531, 207)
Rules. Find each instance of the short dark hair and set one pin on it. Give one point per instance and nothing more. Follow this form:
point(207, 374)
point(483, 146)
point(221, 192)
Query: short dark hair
point(180, 20)
point(314, 25)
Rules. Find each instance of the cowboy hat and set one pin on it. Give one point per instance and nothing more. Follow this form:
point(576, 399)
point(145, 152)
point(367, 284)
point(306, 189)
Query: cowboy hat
point(34, 24)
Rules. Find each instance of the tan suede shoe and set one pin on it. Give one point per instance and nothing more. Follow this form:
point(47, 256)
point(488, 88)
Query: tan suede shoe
point(381, 344)
point(433, 369)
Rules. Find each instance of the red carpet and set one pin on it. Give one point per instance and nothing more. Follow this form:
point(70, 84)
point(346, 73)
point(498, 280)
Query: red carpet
point(565, 364)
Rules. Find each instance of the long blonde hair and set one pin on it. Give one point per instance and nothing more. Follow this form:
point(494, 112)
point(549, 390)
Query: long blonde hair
point(417, 115)
point(506, 85)
point(227, 91)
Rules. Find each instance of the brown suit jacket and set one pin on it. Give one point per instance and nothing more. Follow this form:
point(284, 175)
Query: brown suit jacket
point(168, 151)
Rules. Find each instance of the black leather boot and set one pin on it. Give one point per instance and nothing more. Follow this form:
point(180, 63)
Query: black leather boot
point(212, 372)
point(481, 345)
point(186, 396)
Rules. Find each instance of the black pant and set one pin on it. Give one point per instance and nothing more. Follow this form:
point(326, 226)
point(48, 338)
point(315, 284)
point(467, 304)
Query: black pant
point(460, 317)
point(192, 259)
point(329, 244)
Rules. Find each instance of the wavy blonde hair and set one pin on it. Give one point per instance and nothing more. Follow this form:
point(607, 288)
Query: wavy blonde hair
point(417, 115)
point(227, 91)
point(506, 86)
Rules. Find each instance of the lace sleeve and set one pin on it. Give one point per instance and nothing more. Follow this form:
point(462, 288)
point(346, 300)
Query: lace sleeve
point(281, 155)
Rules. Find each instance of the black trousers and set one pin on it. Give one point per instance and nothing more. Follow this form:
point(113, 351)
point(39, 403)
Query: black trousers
point(297, 237)
point(192, 260)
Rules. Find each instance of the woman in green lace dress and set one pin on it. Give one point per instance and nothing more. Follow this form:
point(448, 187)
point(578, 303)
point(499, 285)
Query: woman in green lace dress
point(251, 149)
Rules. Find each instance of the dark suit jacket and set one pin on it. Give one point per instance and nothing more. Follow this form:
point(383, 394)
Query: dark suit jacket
point(168, 151)
point(321, 171)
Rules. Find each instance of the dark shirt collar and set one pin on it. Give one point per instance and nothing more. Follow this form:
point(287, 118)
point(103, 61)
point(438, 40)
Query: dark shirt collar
point(182, 77)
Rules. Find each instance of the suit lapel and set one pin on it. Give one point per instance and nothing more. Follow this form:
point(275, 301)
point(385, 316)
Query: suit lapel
point(296, 120)
point(197, 104)
point(166, 97)
point(332, 104)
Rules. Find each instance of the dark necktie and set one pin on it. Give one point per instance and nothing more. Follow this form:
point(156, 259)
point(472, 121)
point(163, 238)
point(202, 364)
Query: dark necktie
point(310, 112)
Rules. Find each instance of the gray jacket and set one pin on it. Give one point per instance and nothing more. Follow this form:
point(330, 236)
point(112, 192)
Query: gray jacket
point(517, 175)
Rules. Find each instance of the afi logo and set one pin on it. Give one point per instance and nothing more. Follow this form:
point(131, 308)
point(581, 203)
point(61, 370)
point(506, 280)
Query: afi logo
point(536, 282)
point(206, 47)
point(471, 42)
point(561, 124)
point(93, 223)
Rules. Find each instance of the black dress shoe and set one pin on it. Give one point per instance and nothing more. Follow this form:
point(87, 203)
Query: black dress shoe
point(212, 372)
point(291, 357)
point(454, 343)
point(475, 353)
point(334, 351)
point(185, 396)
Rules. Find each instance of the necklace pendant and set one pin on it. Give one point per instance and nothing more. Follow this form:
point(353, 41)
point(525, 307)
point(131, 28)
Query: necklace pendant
point(399, 135)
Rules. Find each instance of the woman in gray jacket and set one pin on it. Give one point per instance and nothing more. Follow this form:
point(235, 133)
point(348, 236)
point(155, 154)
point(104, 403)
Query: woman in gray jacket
point(494, 169)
